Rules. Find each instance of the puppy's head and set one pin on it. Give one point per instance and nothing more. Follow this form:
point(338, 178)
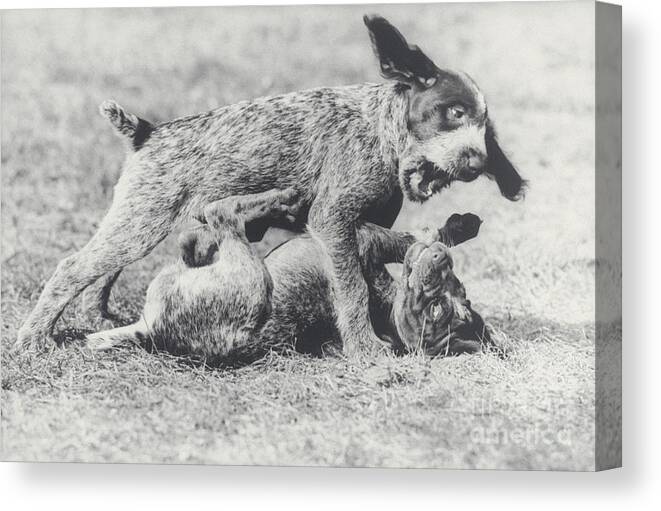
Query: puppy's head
point(430, 298)
point(450, 136)
point(428, 276)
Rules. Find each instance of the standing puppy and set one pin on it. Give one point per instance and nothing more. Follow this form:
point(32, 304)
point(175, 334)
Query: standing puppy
point(349, 151)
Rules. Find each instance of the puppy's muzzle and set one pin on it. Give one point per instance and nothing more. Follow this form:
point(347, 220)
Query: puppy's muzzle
point(474, 164)
point(435, 262)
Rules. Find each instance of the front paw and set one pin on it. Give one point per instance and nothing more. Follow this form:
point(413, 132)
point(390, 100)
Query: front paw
point(32, 340)
point(459, 228)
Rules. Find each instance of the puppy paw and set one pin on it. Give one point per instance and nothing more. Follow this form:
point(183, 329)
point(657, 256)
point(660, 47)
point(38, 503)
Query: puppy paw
point(459, 228)
point(197, 247)
point(288, 204)
point(32, 340)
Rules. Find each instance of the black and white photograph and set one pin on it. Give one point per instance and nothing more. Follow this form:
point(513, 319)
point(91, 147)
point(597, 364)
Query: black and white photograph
point(383, 236)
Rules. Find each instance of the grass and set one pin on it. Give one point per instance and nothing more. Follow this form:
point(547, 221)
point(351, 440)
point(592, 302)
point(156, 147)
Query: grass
point(530, 272)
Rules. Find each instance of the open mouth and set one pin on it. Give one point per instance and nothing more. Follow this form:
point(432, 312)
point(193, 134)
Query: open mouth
point(426, 180)
point(437, 312)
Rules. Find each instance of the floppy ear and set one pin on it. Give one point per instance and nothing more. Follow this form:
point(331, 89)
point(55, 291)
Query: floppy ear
point(511, 184)
point(399, 60)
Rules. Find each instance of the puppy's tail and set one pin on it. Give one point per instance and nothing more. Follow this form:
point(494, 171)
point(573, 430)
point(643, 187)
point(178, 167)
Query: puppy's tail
point(128, 125)
point(122, 336)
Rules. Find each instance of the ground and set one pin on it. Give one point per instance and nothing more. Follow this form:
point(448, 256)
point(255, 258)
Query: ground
point(530, 272)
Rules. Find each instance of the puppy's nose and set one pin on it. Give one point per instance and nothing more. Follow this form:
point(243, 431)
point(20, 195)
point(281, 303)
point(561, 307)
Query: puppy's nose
point(439, 258)
point(476, 160)
point(439, 254)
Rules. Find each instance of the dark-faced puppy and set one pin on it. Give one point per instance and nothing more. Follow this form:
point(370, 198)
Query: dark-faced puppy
point(431, 311)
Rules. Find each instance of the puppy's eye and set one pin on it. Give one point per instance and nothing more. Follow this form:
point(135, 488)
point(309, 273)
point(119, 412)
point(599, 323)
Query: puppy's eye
point(455, 113)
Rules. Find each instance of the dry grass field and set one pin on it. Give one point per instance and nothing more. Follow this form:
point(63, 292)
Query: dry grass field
point(530, 272)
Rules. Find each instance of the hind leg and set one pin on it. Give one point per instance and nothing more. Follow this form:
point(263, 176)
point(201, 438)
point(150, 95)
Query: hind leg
point(258, 210)
point(133, 226)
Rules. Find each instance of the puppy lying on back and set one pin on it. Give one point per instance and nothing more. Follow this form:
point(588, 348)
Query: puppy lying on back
point(220, 302)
